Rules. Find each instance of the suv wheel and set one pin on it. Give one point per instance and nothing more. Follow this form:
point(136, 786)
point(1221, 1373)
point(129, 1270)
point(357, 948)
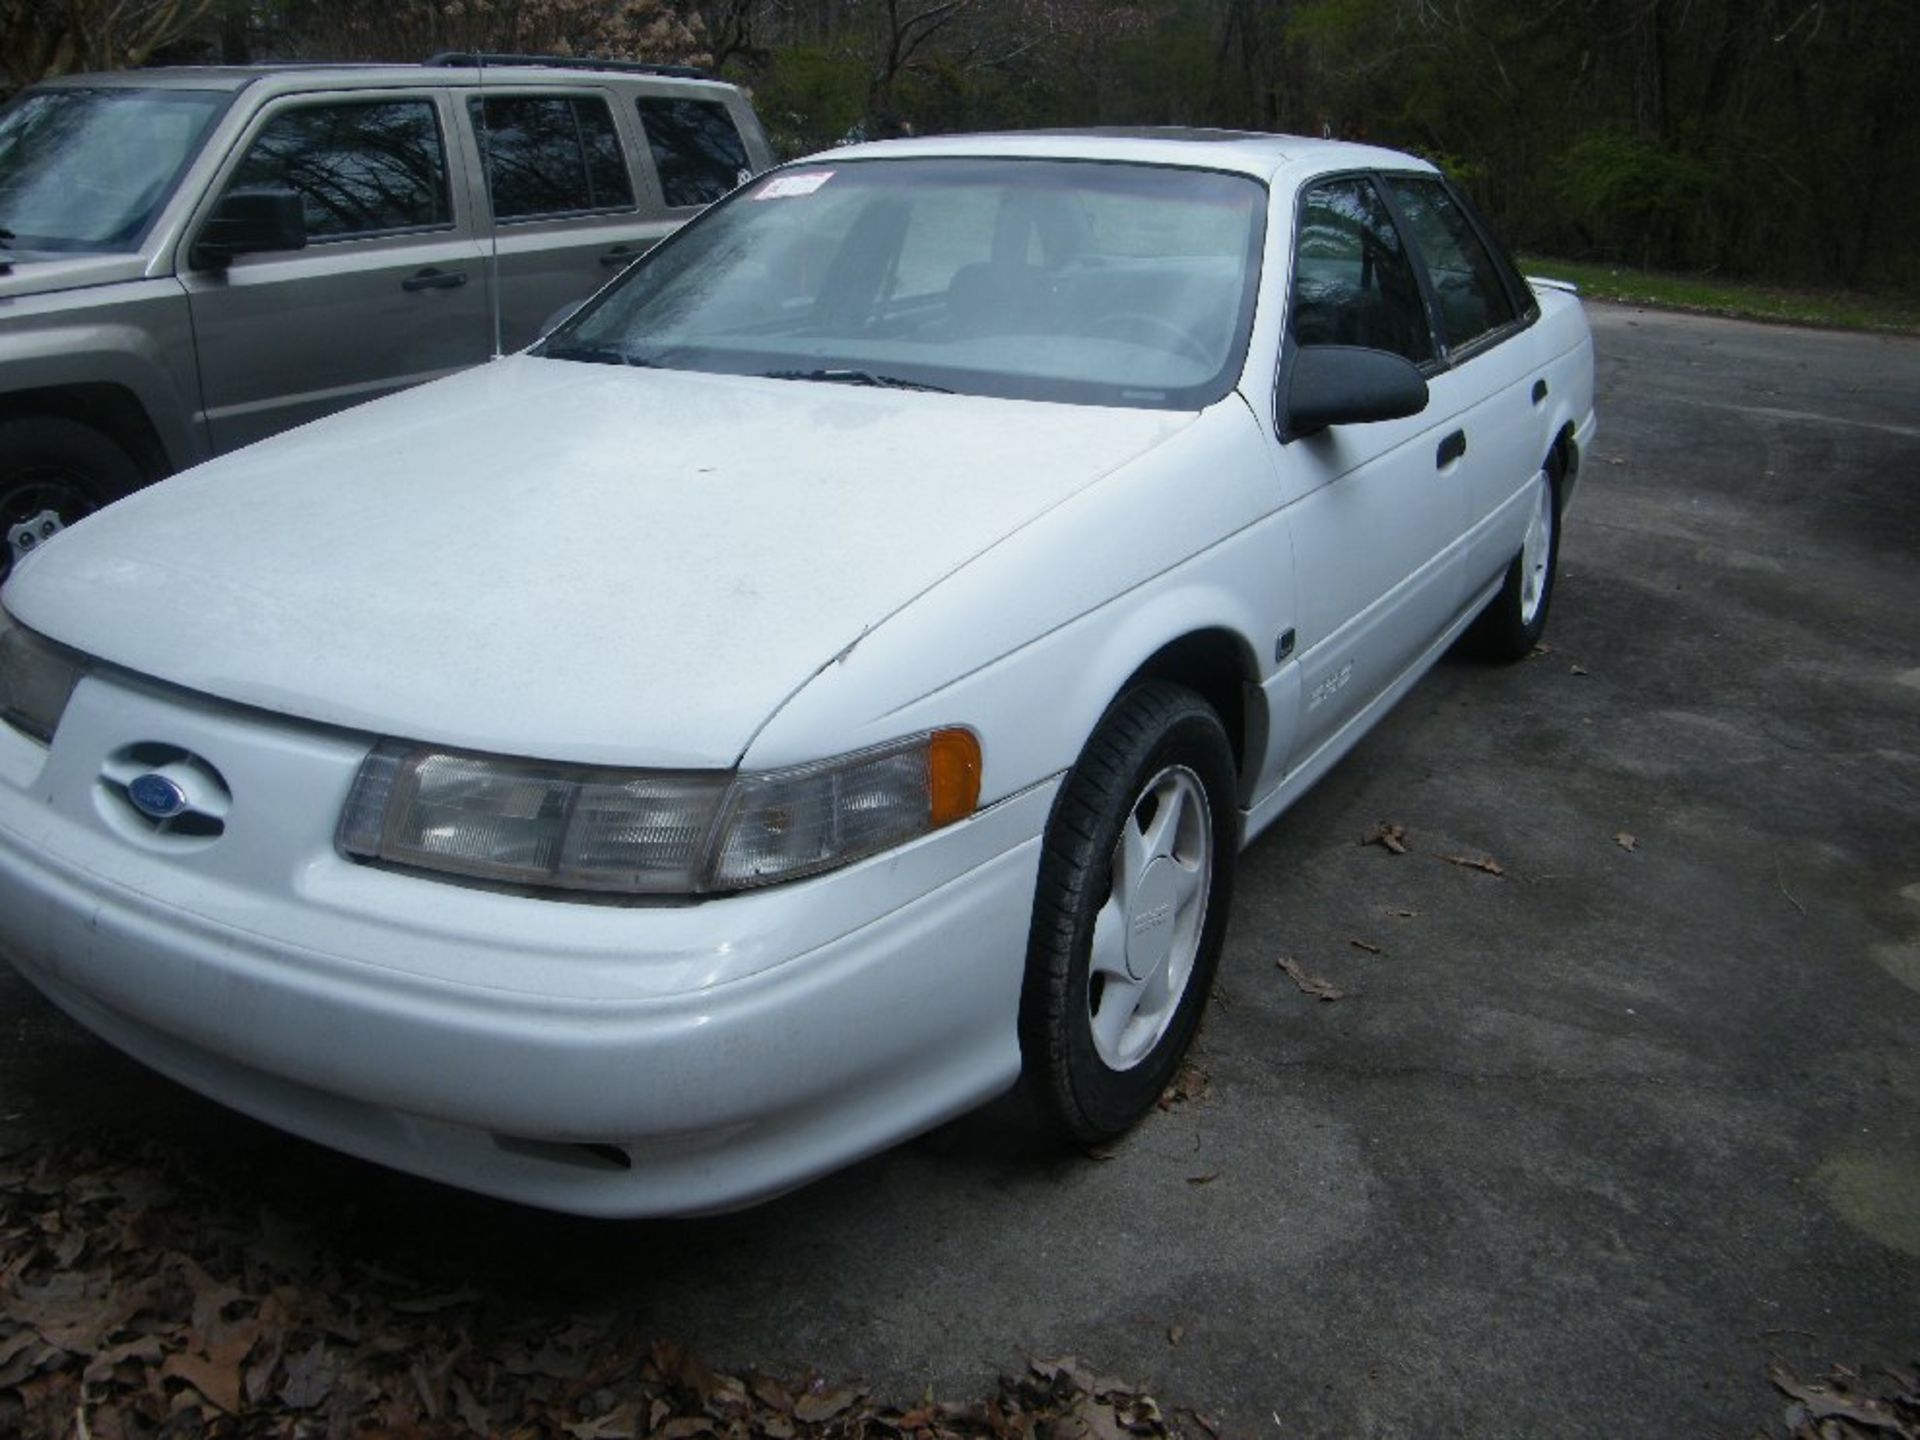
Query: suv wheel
point(57, 468)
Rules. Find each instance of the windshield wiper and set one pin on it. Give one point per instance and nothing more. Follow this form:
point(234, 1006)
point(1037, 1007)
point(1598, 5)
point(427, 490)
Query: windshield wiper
point(595, 355)
point(855, 377)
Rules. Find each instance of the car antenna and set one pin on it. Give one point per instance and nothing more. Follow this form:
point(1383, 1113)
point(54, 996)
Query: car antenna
point(493, 220)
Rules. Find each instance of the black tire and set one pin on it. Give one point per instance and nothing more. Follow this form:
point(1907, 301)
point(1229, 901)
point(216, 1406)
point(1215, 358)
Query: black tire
point(1515, 619)
point(1159, 746)
point(49, 463)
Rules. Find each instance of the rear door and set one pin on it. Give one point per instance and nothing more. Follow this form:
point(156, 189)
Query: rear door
point(568, 210)
point(387, 293)
point(1381, 508)
point(1495, 382)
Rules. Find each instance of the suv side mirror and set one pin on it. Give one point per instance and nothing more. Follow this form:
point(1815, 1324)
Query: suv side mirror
point(246, 222)
point(1348, 385)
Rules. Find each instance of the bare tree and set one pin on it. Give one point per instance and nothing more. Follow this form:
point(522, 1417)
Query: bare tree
point(55, 37)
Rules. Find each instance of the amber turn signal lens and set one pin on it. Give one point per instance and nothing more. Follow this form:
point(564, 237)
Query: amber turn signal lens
point(953, 775)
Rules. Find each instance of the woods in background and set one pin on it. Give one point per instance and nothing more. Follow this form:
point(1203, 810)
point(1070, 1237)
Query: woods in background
point(1765, 139)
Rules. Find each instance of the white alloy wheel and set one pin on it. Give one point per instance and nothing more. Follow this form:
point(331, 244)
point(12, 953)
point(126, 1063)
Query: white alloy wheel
point(1147, 935)
point(1536, 554)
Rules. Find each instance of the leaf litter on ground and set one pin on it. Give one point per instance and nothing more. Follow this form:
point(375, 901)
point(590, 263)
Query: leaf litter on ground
point(1849, 1404)
point(1469, 862)
point(140, 1300)
point(1309, 984)
point(1388, 836)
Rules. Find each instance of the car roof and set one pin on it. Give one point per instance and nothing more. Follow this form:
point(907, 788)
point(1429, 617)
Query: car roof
point(343, 75)
point(1246, 151)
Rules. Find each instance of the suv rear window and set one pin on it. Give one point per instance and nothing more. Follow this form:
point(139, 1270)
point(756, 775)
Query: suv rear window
point(550, 155)
point(696, 149)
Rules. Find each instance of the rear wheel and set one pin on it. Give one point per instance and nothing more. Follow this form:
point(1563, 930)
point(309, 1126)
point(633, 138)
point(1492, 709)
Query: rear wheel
point(54, 471)
point(1515, 619)
point(1130, 912)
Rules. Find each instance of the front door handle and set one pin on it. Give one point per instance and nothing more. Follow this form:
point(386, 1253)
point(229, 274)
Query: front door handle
point(619, 255)
point(1451, 449)
point(434, 279)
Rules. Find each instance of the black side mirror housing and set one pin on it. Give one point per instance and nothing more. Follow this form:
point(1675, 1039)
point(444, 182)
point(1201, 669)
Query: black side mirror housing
point(1347, 385)
point(247, 222)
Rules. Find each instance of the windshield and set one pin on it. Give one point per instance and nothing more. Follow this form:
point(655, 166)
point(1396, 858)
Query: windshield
point(85, 169)
point(1094, 283)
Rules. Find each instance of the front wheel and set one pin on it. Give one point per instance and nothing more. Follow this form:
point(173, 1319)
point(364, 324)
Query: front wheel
point(1515, 619)
point(1130, 912)
point(54, 471)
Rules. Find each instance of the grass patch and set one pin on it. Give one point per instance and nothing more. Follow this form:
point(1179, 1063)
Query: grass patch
point(1841, 310)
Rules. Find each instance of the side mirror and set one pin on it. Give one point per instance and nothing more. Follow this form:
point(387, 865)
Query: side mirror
point(246, 222)
point(1347, 385)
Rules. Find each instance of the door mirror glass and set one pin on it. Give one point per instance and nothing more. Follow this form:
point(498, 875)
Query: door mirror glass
point(1349, 385)
point(246, 222)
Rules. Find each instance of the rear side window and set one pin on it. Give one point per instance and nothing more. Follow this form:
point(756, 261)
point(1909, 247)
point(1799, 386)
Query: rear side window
point(1466, 283)
point(361, 167)
point(1353, 282)
point(550, 155)
point(696, 148)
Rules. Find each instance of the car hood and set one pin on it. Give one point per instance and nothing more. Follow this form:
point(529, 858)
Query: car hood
point(562, 560)
point(42, 272)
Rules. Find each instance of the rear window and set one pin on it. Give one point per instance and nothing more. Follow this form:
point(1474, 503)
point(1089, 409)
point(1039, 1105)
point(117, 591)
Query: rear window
point(550, 155)
point(696, 148)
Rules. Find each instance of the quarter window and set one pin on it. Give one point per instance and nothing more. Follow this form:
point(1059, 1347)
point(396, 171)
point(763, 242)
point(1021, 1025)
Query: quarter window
point(550, 155)
point(361, 168)
point(1353, 283)
point(696, 148)
point(1465, 282)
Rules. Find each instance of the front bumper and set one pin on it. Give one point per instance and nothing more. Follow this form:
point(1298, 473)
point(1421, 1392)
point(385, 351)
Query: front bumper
point(600, 1059)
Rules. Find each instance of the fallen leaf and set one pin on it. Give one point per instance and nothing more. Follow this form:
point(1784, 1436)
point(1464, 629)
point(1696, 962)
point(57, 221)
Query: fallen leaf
point(1206, 1179)
point(1541, 649)
point(1367, 946)
point(1309, 984)
point(428, 1304)
point(812, 1408)
point(1389, 836)
point(1174, 1332)
point(1492, 867)
point(1402, 914)
point(1626, 841)
point(1578, 670)
point(1191, 1083)
point(307, 1379)
point(219, 1383)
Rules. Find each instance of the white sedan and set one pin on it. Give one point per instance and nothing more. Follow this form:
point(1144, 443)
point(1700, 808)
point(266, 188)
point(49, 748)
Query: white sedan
point(826, 681)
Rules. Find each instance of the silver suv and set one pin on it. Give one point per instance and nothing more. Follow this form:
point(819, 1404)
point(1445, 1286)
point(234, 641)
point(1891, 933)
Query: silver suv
point(193, 259)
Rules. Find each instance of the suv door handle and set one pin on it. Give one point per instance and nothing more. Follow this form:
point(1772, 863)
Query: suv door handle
point(1451, 449)
point(619, 255)
point(435, 279)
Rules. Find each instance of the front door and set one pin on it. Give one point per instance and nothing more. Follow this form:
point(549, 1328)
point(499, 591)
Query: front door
point(390, 290)
point(1381, 512)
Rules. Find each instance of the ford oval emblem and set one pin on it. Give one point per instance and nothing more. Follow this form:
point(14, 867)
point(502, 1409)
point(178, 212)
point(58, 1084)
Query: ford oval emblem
point(157, 797)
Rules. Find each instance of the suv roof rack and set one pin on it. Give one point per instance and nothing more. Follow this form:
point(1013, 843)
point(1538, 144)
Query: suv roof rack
point(475, 59)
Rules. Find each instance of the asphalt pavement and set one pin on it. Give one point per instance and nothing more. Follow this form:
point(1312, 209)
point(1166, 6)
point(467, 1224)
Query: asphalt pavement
point(1584, 1143)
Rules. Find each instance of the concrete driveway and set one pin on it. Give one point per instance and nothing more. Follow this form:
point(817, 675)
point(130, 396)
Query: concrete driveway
point(1586, 1141)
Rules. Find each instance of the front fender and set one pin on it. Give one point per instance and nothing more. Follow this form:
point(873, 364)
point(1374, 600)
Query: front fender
point(1032, 641)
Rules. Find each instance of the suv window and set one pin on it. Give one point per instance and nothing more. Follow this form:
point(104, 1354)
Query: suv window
point(1466, 283)
point(361, 167)
point(550, 155)
point(696, 149)
point(1353, 283)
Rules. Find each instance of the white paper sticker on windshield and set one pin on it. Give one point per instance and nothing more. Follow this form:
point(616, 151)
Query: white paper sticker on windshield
point(782, 187)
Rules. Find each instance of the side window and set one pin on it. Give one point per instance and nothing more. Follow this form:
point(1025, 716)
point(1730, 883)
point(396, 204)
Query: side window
point(1465, 280)
point(361, 167)
point(696, 149)
point(550, 155)
point(1352, 281)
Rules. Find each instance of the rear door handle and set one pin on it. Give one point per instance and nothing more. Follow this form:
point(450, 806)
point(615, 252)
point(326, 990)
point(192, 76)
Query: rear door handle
point(1451, 449)
point(434, 279)
point(1539, 391)
point(619, 255)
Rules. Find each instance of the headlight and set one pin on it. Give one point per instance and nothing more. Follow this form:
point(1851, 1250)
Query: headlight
point(643, 832)
point(36, 680)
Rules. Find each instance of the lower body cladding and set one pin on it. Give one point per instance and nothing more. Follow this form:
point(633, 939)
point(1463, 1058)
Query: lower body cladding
point(623, 1088)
